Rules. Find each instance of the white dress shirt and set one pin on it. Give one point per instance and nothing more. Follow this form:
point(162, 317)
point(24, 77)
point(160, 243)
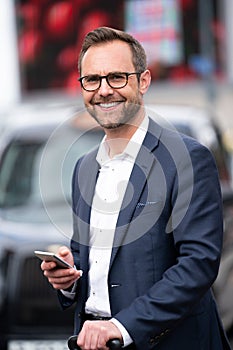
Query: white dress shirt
point(110, 188)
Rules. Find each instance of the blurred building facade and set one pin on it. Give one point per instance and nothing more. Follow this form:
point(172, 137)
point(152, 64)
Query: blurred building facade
point(185, 40)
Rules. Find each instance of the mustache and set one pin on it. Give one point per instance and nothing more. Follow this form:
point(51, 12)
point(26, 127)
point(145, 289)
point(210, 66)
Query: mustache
point(106, 100)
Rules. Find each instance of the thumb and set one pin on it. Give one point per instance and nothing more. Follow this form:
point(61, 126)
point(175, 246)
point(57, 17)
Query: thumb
point(64, 252)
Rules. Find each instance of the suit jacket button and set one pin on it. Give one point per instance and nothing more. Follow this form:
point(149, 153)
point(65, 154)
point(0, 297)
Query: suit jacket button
point(152, 341)
point(155, 340)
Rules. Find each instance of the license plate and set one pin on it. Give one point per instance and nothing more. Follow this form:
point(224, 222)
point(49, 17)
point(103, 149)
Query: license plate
point(37, 345)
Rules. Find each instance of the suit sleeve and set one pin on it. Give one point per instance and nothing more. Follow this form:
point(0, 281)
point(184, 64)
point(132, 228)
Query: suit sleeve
point(65, 300)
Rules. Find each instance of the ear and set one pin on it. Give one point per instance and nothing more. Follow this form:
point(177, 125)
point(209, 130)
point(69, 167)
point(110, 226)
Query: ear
point(145, 80)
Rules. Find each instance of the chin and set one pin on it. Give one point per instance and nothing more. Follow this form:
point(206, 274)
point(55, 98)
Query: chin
point(111, 125)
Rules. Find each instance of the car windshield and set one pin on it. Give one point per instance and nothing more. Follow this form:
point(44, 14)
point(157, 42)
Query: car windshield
point(38, 173)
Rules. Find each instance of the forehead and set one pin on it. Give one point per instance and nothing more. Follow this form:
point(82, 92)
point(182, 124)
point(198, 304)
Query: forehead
point(107, 57)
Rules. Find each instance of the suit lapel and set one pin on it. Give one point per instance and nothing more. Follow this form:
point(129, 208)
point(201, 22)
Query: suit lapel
point(88, 173)
point(137, 184)
point(87, 177)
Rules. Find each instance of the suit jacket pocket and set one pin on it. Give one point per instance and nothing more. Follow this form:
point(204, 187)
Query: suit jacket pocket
point(154, 207)
point(144, 218)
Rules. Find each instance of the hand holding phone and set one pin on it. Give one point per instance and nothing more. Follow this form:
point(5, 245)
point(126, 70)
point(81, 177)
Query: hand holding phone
point(48, 256)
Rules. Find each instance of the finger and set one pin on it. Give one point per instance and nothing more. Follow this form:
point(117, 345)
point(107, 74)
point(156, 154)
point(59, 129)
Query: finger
point(55, 276)
point(62, 274)
point(48, 265)
point(65, 253)
point(95, 335)
point(81, 338)
point(61, 284)
point(101, 343)
point(90, 341)
point(85, 336)
point(62, 278)
point(63, 250)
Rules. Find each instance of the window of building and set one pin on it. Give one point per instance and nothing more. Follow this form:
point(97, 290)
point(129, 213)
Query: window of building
point(50, 33)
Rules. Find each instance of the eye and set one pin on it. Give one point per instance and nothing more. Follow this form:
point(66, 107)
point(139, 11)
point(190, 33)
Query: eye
point(116, 77)
point(92, 79)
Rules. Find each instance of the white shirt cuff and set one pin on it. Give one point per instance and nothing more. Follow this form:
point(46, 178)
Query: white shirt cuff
point(70, 294)
point(125, 335)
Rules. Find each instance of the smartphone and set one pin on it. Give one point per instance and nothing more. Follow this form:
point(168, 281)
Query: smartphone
point(48, 256)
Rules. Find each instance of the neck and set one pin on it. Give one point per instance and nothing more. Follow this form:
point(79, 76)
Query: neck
point(118, 138)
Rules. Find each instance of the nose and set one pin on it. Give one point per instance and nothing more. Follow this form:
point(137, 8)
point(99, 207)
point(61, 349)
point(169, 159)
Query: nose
point(105, 89)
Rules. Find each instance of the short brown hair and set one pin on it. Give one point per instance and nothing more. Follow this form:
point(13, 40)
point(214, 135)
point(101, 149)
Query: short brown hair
point(106, 34)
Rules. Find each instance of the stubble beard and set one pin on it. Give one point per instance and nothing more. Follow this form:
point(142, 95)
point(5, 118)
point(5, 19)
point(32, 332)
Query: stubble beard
point(126, 115)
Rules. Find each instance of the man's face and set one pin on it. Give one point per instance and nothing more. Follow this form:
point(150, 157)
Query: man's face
point(111, 107)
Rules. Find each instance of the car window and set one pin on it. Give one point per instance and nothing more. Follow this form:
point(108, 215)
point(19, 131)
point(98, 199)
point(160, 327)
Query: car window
point(16, 173)
point(211, 138)
point(31, 172)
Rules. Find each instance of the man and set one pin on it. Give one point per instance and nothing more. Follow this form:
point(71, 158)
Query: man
point(147, 217)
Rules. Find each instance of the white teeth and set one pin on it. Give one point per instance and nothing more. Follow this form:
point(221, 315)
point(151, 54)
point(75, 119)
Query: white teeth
point(108, 105)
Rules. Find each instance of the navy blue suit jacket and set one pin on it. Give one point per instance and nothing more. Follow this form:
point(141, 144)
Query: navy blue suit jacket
point(167, 244)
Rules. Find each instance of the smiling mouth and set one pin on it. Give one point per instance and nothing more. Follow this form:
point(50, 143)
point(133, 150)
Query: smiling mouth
point(109, 105)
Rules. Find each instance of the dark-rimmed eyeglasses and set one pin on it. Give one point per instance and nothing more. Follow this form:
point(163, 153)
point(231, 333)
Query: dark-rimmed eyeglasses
point(116, 80)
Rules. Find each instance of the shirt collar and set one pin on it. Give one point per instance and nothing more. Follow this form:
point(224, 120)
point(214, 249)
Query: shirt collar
point(132, 147)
